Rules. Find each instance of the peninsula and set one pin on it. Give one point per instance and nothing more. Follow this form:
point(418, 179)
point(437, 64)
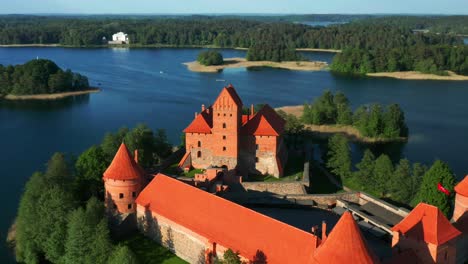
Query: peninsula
point(414, 75)
point(243, 63)
point(52, 96)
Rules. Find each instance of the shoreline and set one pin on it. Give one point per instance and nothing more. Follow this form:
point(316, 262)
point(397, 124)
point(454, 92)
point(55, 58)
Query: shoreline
point(326, 131)
point(319, 50)
point(243, 63)
point(414, 75)
point(53, 96)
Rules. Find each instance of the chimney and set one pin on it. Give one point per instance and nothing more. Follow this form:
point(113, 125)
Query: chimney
point(324, 231)
point(136, 155)
point(202, 107)
point(252, 110)
point(196, 114)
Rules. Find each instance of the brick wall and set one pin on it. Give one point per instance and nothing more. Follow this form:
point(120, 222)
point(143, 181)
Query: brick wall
point(281, 188)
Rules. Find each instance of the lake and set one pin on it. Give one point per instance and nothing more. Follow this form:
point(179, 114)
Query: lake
point(152, 86)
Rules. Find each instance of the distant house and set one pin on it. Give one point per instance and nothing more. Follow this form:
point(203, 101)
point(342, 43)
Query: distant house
point(119, 38)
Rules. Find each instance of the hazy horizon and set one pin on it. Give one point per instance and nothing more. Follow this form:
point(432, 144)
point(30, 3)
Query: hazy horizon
point(239, 7)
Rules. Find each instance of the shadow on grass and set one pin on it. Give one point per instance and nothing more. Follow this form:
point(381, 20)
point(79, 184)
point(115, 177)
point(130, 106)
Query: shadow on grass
point(148, 251)
point(319, 182)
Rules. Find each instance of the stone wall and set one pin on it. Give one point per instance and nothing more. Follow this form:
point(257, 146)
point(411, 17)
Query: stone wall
point(280, 188)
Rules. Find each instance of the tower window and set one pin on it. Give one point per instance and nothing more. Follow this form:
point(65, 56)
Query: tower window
point(256, 146)
point(224, 148)
point(224, 114)
point(230, 114)
point(199, 143)
point(256, 159)
point(133, 194)
point(218, 114)
point(224, 125)
point(224, 137)
point(199, 154)
point(121, 195)
point(129, 206)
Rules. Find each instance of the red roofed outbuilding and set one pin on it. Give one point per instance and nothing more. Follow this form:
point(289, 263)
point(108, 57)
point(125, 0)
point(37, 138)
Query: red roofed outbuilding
point(427, 232)
point(123, 181)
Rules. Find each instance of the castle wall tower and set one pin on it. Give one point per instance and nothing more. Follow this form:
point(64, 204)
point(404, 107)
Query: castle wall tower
point(461, 199)
point(123, 181)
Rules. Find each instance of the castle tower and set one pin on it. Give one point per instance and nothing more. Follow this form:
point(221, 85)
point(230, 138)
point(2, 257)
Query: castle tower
point(461, 199)
point(227, 122)
point(344, 244)
point(426, 234)
point(123, 181)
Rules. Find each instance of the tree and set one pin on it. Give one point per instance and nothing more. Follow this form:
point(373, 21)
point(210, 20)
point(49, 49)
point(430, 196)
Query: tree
point(383, 173)
point(365, 171)
point(339, 156)
point(344, 113)
point(402, 182)
point(231, 257)
point(210, 57)
point(90, 167)
point(122, 255)
point(375, 122)
point(394, 122)
point(441, 173)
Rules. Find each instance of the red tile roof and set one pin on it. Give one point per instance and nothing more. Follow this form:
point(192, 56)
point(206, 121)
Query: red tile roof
point(427, 222)
point(345, 244)
point(265, 123)
point(202, 123)
point(226, 223)
point(462, 187)
point(123, 166)
point(230, 92)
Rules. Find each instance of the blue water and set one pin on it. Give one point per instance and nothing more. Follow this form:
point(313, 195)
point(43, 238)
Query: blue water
point(152, 86)
point(465, 40)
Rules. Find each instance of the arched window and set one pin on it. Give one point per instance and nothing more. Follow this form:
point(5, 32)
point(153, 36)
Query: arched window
point(199, 143)
point(199, 154)
point(224, 148)
point(224, 125)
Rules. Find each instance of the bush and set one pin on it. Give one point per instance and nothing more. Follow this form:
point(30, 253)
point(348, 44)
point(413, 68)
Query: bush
point(210, 57)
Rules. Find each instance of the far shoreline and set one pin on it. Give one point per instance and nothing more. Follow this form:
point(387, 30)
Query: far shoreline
point(53, 96)
point(325, 131)
point(414, 75)
point(195, 66)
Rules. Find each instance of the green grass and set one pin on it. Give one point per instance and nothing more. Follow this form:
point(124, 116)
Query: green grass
point(174, 170)
point(148, 251)
point(319, 182)
point(191, 173)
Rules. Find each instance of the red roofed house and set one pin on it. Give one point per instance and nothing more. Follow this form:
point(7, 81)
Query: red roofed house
point(221, 136)
point(428, 233)
point(123, 181)
point(460, 217)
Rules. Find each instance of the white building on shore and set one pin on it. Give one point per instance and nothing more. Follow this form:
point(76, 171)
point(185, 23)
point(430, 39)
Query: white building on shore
point(119, 38)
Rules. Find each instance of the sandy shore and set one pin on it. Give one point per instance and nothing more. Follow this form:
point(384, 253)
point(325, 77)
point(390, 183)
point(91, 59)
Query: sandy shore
point(50, 96)
point(243, 63)
point(321, 50)
point(328, 130)
point(413, 75)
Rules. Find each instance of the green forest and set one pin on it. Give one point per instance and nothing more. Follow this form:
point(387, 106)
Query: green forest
point(39, 77)
point(61, 215)
point(367, 39)
point(373, 121)
point(403, 182)
point(210, 57)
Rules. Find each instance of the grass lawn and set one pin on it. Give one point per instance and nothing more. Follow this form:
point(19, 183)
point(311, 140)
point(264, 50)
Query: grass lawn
point(319, 182)
point(174, 170)
point(148, 251)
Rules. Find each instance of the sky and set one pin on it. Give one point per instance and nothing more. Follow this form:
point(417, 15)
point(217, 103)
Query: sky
point(234, 6)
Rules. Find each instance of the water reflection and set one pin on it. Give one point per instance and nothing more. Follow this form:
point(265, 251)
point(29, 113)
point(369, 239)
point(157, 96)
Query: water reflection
point(45, 105)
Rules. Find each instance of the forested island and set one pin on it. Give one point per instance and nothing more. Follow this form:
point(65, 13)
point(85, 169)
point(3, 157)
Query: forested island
point(331, 114)
point(370, 44)
point(41, 79)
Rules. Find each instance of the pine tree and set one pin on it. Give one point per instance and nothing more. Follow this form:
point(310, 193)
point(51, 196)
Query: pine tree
point(231, 257)
point(441, 173)
point(402, 182)
point(122, 255)
point(365, 169)
point(89, 168)
point(344, 114)
point(339, 156)
point(383, 173)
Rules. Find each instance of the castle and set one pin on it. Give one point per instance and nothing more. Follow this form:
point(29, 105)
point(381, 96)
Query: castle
point(199, 226)
point(222, 136)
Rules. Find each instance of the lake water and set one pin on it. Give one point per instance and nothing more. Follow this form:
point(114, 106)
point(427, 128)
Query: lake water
point(465, 40)
point(152, 86)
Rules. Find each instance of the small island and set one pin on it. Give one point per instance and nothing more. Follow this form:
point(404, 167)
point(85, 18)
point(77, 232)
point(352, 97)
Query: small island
point(331, 114)
point(41, 79)
point(279, 56)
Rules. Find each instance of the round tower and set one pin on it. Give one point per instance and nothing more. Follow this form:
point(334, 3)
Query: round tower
point(461, 199)
point(123, 181)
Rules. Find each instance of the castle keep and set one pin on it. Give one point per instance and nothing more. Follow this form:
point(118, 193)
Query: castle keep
point(222, 136)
